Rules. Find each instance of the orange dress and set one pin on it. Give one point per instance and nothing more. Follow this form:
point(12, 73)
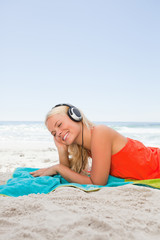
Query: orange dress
point(135, 161)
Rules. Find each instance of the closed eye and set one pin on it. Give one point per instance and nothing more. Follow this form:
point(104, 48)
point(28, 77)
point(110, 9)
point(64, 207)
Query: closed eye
point(54, 134)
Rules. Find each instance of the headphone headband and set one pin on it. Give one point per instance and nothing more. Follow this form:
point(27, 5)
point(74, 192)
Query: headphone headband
point(63, 104)
point(73, 112)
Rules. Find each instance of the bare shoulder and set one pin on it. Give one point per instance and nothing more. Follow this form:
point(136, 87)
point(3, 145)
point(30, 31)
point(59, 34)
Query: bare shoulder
point(109, 135)
point(103, 130)
point(102, 134)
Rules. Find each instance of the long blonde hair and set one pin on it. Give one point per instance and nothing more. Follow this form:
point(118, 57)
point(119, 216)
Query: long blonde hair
point(75, 151)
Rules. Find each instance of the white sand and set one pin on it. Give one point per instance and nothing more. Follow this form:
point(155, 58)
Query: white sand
point(126, 212)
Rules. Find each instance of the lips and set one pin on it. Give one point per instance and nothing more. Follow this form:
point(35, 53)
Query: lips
point(65, 136)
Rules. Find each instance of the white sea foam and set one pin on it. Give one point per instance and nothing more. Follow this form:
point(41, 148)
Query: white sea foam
point(148, 133)
point(29, 144)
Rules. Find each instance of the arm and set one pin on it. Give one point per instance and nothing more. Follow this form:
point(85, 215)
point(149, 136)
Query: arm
point(62, 152)
point(72, 176)
point(63, 156)
point(101, 148)
point(101, 158)
point(65, 172)
point(101, 145)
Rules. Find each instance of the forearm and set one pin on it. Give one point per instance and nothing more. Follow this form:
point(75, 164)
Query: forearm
point(72, 176)
point(63, 157)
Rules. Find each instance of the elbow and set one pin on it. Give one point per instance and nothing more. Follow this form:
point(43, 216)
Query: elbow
point(99, 182)
point(91, 182)
point(103, 184)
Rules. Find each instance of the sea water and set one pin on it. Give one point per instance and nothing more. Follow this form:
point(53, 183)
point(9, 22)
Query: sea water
point(36, 133)
point(29, 144)
point(146, 132)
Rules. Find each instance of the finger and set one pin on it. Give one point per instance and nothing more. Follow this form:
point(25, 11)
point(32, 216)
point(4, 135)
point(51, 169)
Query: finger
point(33, 173)
point(36, 173)
point(43, 174)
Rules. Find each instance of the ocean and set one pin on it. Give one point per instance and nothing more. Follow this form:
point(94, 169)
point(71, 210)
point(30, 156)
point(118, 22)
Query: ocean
point(12, 132)
point(29, 144)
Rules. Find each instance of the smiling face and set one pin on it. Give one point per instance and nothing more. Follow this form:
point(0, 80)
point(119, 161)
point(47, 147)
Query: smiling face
point(64, 129)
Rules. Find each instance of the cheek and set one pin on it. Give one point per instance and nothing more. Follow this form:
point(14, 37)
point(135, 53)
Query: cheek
point(57, 139)
point(76, 131)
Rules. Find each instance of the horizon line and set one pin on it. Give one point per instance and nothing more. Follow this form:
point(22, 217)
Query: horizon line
point(101, 121)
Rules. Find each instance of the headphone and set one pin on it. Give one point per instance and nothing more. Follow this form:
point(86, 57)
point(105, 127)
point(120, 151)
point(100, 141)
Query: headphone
point(73, 112)
point(76, 116)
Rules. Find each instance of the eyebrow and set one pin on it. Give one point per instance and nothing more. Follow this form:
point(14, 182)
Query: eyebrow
point(56, 123)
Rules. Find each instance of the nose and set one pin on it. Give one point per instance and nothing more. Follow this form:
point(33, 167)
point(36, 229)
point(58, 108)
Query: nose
point(59, 132)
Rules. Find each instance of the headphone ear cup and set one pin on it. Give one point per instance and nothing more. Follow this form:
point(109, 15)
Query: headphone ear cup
point(74, 114)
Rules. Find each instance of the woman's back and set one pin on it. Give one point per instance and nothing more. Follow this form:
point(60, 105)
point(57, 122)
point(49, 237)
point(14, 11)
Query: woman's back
point(130, 158)
point(136, 161)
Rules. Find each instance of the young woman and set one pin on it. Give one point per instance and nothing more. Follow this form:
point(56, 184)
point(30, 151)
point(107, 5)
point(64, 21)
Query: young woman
point(77, 139)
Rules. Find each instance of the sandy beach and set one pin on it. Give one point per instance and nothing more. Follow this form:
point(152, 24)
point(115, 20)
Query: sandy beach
point(126, 212)
point(98, 57)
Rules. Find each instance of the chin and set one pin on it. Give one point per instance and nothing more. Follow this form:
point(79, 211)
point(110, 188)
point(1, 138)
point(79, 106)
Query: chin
point(71, 141)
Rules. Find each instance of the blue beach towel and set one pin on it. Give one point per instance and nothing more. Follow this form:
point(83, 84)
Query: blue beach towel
point(22, 183)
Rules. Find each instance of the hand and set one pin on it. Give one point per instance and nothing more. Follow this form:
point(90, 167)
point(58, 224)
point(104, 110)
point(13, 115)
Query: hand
point(60, 146)
point(50, 171)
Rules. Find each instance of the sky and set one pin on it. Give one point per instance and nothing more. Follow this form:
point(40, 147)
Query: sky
point(103, 56)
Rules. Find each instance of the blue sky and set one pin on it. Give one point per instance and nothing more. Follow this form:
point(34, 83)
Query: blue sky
point(101, 56)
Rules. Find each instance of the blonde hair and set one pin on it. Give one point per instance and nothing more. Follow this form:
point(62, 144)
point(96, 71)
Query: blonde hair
point(75, 151)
